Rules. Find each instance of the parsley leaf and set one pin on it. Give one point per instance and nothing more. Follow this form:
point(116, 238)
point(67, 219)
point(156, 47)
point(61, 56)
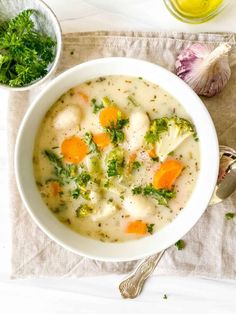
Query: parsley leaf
point(113, 168)
point(75, 193)
point(81, 181)
point(63, 173)
point(115, 130)
point(155, 159)
point(121, 123)
point(137, 190)
point(88, 138)
point(136, 165)
point(67, 173)
point(161, 195)
point(229, 216)
point(25, 52)
point(180, 244)
point(150, 228)
point(115, 162)
point(83, 178)
point(96, 106)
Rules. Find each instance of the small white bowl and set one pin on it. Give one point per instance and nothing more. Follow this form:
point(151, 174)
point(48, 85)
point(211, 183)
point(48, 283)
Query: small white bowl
point(45, 21)
point(209, 160)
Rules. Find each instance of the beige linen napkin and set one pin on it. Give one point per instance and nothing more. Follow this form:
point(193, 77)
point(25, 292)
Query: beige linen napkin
point(211, 244)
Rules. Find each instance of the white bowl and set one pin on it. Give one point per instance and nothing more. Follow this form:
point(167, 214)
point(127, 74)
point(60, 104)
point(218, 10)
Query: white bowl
point(45, 21)
point(209, 160)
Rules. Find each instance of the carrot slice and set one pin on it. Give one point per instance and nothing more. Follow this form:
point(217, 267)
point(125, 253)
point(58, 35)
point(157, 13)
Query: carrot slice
point(137, 226)
point(166, 175)
point(56, 188)
point(74, 149)
point(102, 140)
point(151, 153)
point(109, 115)
point(84, 97)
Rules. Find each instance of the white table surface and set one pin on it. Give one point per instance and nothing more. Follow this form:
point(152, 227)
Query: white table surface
point(100, 294)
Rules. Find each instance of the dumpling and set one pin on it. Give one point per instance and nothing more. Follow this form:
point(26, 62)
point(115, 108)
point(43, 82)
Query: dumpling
point(137, 206)
point(67, 118)
point(138, 126)
point(106, 210)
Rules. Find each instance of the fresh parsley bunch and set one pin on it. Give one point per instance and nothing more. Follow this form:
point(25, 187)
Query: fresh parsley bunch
point(25, 52)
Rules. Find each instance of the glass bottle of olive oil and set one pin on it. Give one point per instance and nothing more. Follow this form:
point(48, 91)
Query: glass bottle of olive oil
point(195, 11)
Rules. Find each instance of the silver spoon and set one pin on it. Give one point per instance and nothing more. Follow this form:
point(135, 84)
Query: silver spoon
point(226, 185)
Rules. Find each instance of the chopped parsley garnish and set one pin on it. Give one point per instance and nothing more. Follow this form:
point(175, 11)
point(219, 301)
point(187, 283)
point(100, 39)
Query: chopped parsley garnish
point(75, 193)
point(63, 172)
point(133, 101)
point(161, 195)
point(137, 190)
point(25, 52)
point(150, 228)
point(165, 297)
point(136, 165)
point(155, 158)
point(121, 123)
point(67, 173)
point(115, 162)
point(83, 178)
point(229, 216)
point(88, 138)
point(117, 136)
point(81, 181)
point(180, 244)
point(115, 130)
point(96, 106)
point(113, 167)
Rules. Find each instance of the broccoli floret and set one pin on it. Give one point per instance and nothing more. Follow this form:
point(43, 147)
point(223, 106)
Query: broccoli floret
point(157, 127)
point(168, 133)
point(93, 164)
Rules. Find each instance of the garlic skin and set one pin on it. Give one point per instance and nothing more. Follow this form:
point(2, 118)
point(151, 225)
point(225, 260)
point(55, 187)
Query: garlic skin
point(205, 69)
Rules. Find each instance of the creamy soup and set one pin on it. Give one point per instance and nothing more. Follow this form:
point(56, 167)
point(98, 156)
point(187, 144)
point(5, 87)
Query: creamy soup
point(116, 158)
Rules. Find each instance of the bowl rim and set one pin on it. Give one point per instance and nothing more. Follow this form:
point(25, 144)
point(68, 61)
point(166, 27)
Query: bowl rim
point(207, 190)
point(56, 59)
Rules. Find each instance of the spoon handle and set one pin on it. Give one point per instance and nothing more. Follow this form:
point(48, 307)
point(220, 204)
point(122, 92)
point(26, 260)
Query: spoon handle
point(132, 286)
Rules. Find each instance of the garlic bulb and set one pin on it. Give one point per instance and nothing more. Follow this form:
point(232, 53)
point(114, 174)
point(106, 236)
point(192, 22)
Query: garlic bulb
point(204, 69)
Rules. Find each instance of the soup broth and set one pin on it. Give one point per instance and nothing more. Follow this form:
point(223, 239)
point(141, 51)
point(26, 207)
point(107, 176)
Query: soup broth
point(116, 158)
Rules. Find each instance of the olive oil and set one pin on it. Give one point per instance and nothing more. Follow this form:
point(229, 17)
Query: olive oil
point(196, 8)
point(195, 11)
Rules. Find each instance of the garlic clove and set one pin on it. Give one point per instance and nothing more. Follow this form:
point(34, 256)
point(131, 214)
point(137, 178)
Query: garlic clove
point(204, 69)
